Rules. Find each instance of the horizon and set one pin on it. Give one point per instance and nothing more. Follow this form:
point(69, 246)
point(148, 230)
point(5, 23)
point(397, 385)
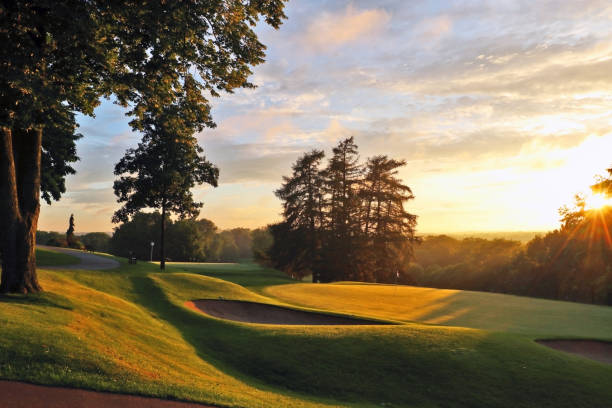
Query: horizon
point(501, 111)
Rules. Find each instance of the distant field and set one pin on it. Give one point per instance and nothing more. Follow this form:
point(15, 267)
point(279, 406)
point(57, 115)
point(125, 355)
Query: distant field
point(50, 258)
point(478, 310)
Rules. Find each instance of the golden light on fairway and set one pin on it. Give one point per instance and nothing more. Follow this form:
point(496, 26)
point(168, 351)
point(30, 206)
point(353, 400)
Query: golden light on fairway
point(596, 201)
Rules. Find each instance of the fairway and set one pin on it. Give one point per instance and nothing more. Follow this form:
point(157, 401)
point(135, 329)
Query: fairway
point(479, 310)
point(129, 331)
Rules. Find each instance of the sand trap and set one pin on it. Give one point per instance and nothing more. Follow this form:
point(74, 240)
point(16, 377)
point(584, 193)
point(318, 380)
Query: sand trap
point(594, 349)
point(251, 312)
point(23, 395)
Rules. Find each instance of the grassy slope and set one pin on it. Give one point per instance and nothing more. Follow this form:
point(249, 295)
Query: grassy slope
point(480, 310)
point(128, 331)
point(52, 258)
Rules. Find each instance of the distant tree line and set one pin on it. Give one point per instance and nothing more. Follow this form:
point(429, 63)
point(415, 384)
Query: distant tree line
point(571, 263)
point(189, 240)
point(96, 241)
point(345, 220)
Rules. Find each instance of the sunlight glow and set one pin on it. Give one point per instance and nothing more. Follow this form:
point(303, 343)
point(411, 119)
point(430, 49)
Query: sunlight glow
point(596, 201)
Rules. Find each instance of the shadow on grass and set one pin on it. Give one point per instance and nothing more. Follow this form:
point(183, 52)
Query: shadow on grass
point(40, 299)
point(226, 346)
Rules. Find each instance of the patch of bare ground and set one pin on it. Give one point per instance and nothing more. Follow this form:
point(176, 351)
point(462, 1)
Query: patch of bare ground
point(251, 312)
point(23, 395)
point(594, 349)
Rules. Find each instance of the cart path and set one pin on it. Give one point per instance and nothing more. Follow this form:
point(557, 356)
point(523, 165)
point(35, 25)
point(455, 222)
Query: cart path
point(17, 394)
point(88, 260)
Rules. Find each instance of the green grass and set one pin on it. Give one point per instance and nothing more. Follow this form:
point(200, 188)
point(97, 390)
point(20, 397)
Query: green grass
point(128, 331)
point(46, 257)
point(247, 274)
point(479, 310)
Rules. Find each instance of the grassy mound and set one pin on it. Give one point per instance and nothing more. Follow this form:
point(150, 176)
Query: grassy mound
point(480, 310)
point(128, 331)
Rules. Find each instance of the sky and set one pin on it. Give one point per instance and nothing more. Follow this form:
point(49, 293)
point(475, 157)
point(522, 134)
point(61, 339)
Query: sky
point(502, 110)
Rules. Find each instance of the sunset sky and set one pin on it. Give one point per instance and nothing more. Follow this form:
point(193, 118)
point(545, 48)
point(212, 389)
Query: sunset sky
point(502, 109)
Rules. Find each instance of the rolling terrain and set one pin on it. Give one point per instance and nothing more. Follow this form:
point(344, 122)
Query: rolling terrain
point(128, 330)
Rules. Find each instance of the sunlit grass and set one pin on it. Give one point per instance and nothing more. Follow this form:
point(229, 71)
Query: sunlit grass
point(128, 331)
point(479, 310)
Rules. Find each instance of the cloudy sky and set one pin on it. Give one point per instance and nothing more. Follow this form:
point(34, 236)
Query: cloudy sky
point(502, 109)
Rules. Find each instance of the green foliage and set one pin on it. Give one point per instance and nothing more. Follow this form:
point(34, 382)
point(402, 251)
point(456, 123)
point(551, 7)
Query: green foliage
point(262, 241)
point(96, 241)
point(471, 263)
point(160, 59)
point(344, 222)
point(189, 240)
point(572, 263)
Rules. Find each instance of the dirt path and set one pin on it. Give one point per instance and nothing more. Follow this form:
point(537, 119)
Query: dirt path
point(88, 260)
point(23, 395)
point(251, 312)
point(594, 349)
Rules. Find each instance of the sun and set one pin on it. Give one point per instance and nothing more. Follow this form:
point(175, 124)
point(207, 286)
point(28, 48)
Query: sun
point(596, 201)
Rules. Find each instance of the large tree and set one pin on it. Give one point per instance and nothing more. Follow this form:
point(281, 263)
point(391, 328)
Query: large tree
point(58, 58)
point(342, 178)
point(302, 197)
point(387, 228)
point(163, 169)
point(345, 222)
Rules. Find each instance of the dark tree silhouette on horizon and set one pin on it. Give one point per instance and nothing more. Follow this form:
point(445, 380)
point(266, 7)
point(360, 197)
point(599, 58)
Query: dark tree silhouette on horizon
point(70, 238)
point(302, 197)
point(344, 222)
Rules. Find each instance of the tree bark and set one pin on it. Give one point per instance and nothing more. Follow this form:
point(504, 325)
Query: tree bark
point(20, 155)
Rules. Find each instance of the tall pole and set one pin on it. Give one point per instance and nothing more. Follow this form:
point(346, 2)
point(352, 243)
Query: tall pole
point(152, 243)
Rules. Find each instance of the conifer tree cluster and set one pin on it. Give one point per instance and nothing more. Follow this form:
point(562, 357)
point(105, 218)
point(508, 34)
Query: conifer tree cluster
point(344, 221)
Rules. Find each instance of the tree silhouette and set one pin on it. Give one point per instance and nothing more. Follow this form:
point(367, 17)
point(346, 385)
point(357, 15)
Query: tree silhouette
point(346, 221)
point(70, 238)
point(58, 58)
point(302, 197)
point(604, 185)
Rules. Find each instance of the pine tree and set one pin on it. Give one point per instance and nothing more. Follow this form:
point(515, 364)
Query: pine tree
point(302, 195)
point(388, 229)
point(341, 179)
point(347, 222)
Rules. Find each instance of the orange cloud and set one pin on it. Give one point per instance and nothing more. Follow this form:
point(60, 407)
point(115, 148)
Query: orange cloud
point(331, 30)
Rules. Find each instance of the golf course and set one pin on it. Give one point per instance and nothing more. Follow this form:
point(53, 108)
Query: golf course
point(133, 330)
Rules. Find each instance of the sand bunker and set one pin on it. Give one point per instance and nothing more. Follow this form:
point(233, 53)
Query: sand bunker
point(594, 349)
point(251, 312)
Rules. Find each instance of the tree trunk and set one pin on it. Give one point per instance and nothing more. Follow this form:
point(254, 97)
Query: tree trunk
point(20, 154)
point(162, 260)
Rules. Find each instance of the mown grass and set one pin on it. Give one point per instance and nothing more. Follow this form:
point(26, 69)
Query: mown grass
point(480, 310)
point(128, 331)
point(247, 274)
point(46, 257)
